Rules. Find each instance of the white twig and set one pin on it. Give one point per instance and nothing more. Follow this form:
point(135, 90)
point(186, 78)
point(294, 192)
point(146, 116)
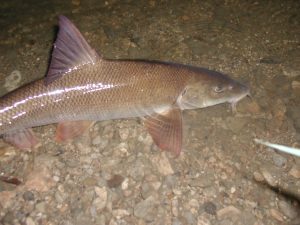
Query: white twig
point(283, 148)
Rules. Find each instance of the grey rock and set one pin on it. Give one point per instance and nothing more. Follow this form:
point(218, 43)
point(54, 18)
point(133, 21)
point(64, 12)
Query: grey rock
point(288, 210)
point(279, 160)
point(190, 218)
point(146, 209)
point(28, 196)
point(41, 207)
point(210, 208)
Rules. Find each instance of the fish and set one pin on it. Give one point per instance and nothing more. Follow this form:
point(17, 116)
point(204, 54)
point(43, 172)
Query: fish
point(281, 148)
point(82, 87)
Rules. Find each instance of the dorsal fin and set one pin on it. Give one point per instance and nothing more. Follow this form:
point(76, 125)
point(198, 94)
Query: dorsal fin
point(70, 51)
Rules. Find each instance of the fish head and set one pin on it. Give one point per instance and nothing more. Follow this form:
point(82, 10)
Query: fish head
point(207, 88)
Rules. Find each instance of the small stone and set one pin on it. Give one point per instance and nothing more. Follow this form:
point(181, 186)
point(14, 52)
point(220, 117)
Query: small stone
point(7, 153)
point(59, 197)
point(202, 220)
point(232, 190)
point(190, 218)
point(295, 84)
point(258, 176)
point(210, 208)
point(228, 212)
point(28, 196)
point(56, 178)
point(76, 2)
point(125, 183)
point(279, 160)
point(290, 72)
point(120, 213)
point(175, 207)
point(5, 198)
point(253, 107)
point(41, 207)
point(146, 209)
point(193, 203)
point(202, 181)
point(89, 181)
point(40, 179)
point(163, 164)
point(97, 140)
point(269, 178)
point(236, 124)
point(101, 201)
point(29, 221)
point(288, 210)
point(124, 133)
point(13, 80)
point(115, 181)
point(295, 171)
point(276, 215)
point(147, 190)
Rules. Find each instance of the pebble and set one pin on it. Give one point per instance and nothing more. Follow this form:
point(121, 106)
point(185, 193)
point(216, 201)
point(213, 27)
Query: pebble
point(125, 183)
point(276, 215)
point(236, 124)
point(120, 213)
point(228, 212)
point(190, 218)
point(6, 198)
point(279, 160)
point(288, 210)
point(28, 196)
point(124, 133)
point(115, 181)
point(13, 80)
point(258, 176)
point(146, 209)
point(210, 208)
point(163, 164)
point(295, 84)
point(290, 72)
point(7, 153)
point(29, 221)
point(193, 203)
point(101, 201)
point(269, 178)
point(41, 207)
point(295, 171)
point(175, 206)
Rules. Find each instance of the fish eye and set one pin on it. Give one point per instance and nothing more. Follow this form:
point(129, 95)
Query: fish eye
point(218, 88)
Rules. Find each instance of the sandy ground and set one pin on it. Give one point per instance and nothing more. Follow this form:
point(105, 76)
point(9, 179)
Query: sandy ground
point(114, 174)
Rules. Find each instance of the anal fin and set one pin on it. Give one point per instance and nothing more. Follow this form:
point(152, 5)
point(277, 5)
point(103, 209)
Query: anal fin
point(71, 129)
point(166, 130)
point(23, 139)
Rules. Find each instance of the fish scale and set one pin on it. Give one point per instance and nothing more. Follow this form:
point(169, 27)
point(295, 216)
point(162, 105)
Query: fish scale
point(95, 92)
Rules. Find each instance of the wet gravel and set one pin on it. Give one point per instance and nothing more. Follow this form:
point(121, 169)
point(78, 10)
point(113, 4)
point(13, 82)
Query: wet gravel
point(114, 174)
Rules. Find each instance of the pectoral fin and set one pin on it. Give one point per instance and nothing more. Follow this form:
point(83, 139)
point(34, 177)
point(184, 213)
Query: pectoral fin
point(166, 130)
point(71, 129)
point(22, 139)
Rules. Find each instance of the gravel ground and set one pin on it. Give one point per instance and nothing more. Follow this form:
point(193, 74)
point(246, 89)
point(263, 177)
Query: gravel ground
point(114, 174)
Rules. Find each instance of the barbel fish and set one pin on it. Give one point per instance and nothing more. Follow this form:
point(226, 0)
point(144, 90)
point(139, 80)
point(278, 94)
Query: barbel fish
point(82, 87)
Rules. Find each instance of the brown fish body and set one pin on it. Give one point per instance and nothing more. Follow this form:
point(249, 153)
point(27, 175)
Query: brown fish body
point(82, 86)
point(108, 89)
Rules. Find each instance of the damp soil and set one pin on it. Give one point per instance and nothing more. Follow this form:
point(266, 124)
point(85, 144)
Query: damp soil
point(114, 174)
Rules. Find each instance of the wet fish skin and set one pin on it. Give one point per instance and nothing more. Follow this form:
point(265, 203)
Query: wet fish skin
point(84, 87)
